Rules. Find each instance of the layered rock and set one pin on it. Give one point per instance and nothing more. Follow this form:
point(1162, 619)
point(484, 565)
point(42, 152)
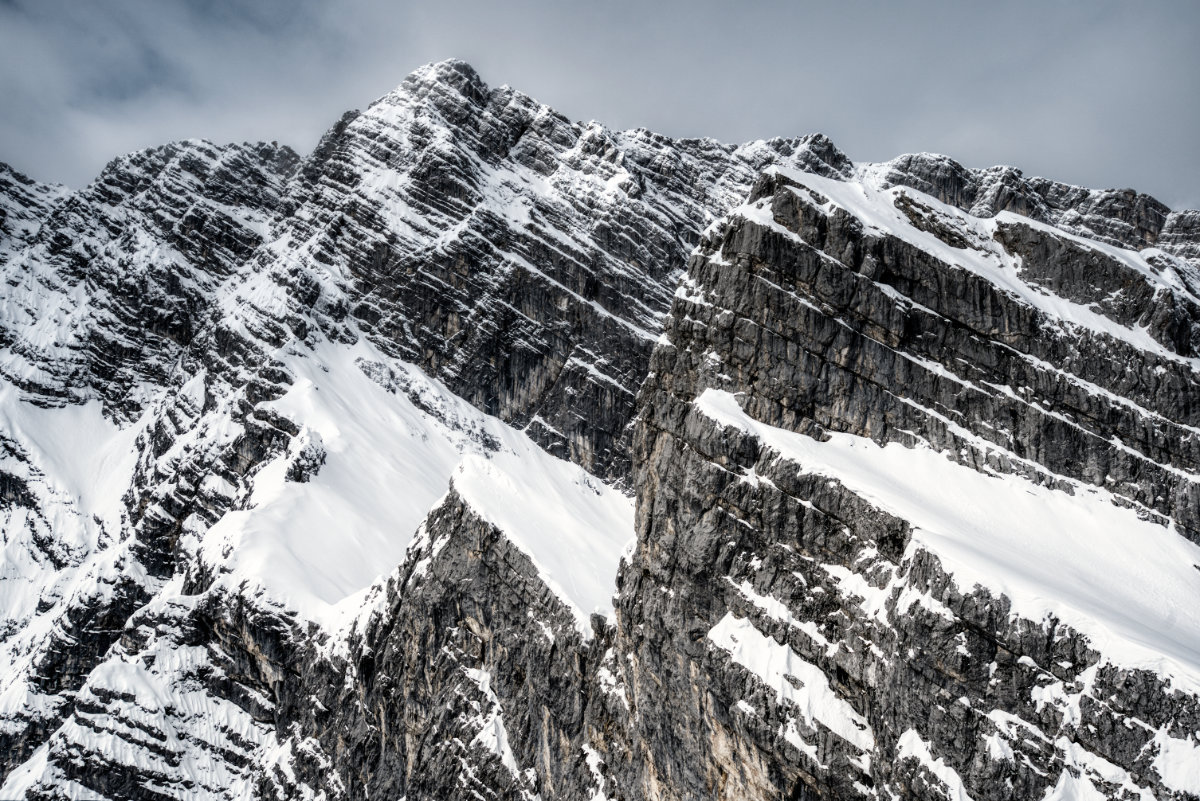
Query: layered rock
point(523, 259)
point(120, 276)
point(24, 204)
point(813, 644)
point(267, 372)
point(1121, 217)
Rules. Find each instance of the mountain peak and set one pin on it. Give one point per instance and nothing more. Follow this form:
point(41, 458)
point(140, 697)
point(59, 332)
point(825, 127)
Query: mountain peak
point(818, 154)
point(452, 73)
point(347, 455)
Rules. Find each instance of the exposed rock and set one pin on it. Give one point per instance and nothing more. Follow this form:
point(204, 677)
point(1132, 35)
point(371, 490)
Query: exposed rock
point(1119, 217)
point(214, 357)
point(941, 686)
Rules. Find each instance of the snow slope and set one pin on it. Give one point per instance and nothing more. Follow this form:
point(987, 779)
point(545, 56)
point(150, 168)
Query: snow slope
point(1050, 553)
point(573, 526)
point(315, 547)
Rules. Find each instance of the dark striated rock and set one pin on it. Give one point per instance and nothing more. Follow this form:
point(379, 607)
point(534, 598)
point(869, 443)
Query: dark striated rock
point(525, 260)
point(1119, 217)
point(131, 264)
point(470, 677)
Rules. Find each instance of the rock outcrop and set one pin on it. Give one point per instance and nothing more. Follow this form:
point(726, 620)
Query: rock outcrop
point(815, 646)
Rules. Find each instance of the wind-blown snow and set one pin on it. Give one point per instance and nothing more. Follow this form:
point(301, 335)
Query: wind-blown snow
point(1051, 553)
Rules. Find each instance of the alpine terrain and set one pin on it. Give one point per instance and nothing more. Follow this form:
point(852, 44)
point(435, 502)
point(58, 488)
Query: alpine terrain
point(481, 454)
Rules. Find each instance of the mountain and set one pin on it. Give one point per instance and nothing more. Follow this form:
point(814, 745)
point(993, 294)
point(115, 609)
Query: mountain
point(484, 454)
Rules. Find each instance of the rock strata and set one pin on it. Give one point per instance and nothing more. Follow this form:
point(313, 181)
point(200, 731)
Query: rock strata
point(316, 471)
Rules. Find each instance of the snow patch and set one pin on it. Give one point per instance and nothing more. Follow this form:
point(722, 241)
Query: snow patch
point(792, 678)
point(1050, 553)
point(911, 746)
point(317, 547)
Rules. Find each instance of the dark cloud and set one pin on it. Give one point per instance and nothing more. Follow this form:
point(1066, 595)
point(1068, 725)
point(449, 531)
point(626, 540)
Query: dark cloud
point(1098, 93)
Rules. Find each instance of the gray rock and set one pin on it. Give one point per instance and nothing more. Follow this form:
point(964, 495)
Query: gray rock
point(533, 265)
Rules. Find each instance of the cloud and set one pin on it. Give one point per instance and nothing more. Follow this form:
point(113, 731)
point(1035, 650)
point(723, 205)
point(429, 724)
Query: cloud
point(1098, 93)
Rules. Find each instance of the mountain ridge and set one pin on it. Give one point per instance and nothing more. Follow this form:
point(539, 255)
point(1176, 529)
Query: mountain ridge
point(314, 385)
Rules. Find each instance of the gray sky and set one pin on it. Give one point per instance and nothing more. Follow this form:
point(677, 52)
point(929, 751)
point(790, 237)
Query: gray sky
point(1096, 93)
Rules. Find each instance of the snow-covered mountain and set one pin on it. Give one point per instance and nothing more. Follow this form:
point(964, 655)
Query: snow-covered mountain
point(483, 454)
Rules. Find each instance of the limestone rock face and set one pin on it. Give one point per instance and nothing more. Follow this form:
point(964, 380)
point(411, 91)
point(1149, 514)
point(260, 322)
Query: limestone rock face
point(118, 278)
point(485, 454)
point(525, 260)
point(1115, 216)
point(906, 681)
point(24, 203)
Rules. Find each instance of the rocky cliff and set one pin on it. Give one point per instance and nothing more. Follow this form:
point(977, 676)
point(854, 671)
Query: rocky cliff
point(483, 454)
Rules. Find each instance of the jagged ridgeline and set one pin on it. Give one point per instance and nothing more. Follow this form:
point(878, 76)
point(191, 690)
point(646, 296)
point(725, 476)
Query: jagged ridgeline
point(481, 454)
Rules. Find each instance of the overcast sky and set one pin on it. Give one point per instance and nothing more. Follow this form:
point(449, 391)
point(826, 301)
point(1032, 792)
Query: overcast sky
point(1095, 93)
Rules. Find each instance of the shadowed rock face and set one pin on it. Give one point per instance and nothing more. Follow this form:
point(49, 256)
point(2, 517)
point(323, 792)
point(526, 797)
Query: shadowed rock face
point(818, 325)
point(777, 633)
